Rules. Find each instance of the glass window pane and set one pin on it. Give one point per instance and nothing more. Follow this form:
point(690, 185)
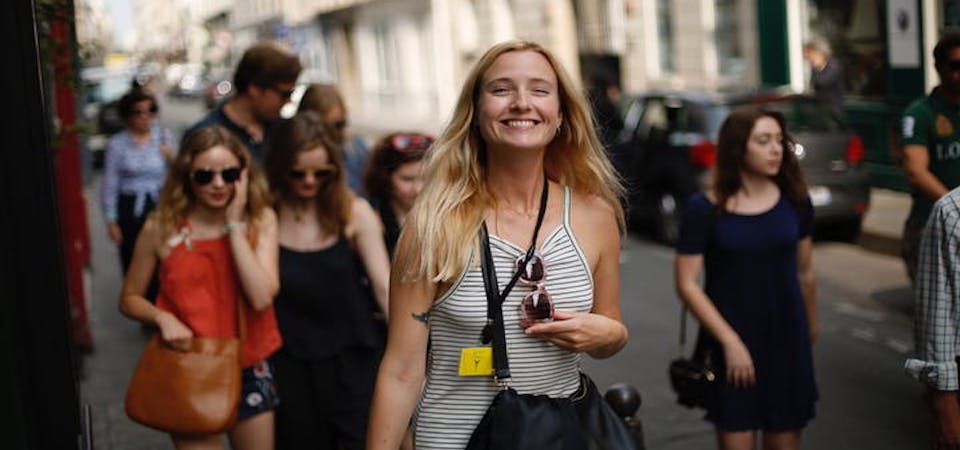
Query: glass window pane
point(729, 54)
point(854, 30)
point(665, 35)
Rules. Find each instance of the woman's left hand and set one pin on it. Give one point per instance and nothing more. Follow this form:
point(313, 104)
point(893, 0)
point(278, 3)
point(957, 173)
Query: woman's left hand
point(577, 332)
point(235, 210)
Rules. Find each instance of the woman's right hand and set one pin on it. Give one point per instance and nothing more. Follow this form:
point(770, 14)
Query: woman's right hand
point(740, 371)
point(116, 234)
point(173, 331)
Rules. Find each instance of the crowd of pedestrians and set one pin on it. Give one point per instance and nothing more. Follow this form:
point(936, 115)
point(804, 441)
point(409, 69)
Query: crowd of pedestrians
point(359, 277)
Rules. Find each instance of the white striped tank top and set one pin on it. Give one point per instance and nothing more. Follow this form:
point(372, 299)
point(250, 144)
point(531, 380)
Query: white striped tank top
point(451, 406)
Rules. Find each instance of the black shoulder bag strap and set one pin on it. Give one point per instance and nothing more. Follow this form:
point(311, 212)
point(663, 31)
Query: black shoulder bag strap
point(493, 330)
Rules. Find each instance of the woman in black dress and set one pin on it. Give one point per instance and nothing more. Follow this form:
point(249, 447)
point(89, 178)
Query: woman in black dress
point(326, 368)
point(757, 307)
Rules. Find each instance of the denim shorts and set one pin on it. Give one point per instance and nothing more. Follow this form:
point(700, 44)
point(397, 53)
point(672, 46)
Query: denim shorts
point(259, 392)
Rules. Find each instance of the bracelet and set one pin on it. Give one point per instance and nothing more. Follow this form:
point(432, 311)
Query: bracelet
point(230, 226)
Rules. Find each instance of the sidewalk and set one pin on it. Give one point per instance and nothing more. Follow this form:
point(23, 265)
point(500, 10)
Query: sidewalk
point(117, 343)
point(883, 223)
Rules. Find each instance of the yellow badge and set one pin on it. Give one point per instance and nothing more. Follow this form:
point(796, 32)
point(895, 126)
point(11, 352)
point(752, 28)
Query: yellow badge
point(944, 127)
point(476, 362)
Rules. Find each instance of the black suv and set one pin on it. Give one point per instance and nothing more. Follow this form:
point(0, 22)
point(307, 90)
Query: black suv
point(662, 153)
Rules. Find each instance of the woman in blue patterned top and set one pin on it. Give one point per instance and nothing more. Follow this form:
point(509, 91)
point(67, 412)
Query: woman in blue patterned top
point(134, 169)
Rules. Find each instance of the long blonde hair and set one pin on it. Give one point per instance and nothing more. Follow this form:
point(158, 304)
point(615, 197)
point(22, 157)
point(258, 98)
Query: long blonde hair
point(449, 210)
point(176, 197)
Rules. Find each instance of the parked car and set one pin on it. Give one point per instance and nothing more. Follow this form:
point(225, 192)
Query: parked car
point(668, 145)
point(102, 88)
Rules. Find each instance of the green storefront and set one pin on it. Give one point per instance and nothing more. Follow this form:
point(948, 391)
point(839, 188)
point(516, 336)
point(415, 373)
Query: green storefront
point(880, 44)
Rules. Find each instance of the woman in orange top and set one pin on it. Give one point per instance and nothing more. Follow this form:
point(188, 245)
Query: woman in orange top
point(214, 237)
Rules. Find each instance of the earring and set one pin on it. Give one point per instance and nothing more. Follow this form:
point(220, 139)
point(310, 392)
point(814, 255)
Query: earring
point(558, 130)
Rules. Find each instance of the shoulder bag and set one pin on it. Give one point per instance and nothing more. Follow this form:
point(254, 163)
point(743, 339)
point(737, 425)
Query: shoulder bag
point(691, 378)
point(192, 392)
point(515, 421)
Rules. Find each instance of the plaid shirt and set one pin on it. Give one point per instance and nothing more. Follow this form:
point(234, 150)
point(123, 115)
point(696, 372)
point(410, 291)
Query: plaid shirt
point(937, 315)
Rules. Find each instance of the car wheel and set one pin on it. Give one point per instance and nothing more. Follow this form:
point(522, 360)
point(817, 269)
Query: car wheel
point(667, 219)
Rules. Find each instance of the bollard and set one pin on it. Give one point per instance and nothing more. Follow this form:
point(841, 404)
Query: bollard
point(625, 400)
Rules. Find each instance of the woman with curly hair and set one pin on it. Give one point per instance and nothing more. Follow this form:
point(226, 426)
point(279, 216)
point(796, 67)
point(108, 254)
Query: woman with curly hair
point(214, 238)
point(521, 140)
point(394, 178)
point(750, 234)
point(330, 240)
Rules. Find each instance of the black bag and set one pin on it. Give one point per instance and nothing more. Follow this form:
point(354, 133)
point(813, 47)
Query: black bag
point(516, 421)
point(691, 378)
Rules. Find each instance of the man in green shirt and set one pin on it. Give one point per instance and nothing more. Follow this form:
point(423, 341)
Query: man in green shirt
point(931, 145)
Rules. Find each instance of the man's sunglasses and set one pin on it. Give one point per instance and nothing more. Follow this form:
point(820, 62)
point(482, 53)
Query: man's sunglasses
point(205, 176)
point(284, 93)
point(322, 172)
point(403, 142)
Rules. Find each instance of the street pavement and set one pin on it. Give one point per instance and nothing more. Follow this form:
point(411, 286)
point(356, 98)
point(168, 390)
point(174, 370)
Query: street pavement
point(866, 401)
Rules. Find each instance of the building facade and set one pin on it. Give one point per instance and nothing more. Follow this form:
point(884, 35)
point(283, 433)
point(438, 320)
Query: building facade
point(400, 63)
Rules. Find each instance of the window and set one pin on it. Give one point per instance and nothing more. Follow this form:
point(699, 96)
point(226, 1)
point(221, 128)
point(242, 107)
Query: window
point(665, 41)
point(854, 30)
point(730, 61)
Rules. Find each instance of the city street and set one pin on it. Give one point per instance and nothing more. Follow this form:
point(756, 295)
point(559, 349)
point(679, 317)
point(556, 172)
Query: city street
point(866, 400)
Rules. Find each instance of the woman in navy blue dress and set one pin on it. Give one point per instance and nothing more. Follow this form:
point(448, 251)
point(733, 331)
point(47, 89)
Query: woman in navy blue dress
point(750, 233)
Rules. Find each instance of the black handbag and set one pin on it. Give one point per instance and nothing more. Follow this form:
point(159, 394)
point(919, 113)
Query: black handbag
point(691, 378)
point(515, 421)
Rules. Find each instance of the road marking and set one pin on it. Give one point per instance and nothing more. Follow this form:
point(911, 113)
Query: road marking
point(864, 334)
point(898, 345)
point(859, 312)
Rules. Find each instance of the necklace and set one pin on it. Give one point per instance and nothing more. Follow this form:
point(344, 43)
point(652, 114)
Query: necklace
point(528, 213)
point(298, 211)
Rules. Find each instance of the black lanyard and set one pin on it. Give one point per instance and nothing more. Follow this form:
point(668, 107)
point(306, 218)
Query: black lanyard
point(493, 330)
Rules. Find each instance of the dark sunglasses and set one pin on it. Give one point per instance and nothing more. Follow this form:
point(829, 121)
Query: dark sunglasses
point(327, 171)
point(205, 176)
point(143, 112)
point(954, 65)
point(406, 142)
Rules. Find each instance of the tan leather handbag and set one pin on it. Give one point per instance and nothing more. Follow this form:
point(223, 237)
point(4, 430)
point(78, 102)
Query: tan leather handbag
point(192, 392)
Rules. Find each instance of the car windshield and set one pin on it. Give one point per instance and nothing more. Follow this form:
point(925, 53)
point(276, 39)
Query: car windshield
point(805, 115)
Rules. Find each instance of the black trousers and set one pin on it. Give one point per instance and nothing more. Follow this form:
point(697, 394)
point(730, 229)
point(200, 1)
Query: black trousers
point(130, 225)
point(324, 403)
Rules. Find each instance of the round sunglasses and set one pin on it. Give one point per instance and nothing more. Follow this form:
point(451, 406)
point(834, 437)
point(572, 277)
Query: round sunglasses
point(536, 306)
point(205, 176)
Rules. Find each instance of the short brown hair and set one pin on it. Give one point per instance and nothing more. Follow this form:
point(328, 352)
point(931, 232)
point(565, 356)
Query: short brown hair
point(131, 98)
point(266, 65)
